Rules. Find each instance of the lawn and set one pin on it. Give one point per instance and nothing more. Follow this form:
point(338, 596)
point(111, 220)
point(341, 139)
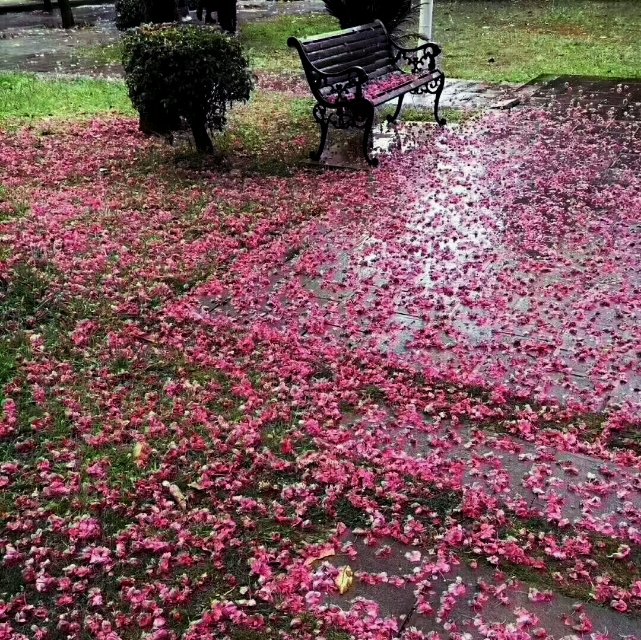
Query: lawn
point(519, 40)
point(266, 41)
point(24, 96)
point(503, 41)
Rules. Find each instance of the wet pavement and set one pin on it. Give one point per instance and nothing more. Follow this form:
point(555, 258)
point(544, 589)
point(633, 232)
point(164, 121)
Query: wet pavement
point(555, 296)
point(611, 99)
point(34, 41)
point(515, 268)
point(413, 588)
point(479, 599)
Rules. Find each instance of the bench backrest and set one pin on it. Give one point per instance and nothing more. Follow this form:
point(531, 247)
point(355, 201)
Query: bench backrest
point(367, 46)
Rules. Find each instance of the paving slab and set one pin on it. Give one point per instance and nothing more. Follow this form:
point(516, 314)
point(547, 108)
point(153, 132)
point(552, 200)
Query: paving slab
point(452, 598)
point(618, 99)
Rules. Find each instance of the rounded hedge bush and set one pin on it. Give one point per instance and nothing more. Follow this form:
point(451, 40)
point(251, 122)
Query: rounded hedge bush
point(180, 74)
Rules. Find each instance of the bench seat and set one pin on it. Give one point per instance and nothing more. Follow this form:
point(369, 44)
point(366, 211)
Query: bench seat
point(392, 87)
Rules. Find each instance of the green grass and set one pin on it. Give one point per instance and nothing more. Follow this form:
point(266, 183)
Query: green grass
point(25, 97)
point(102, 55)
point(266, 41)
point(527, 38)
point(491, 40)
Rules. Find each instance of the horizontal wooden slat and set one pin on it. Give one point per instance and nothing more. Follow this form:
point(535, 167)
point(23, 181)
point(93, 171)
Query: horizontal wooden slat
point(373, 61)
point(353, 33)
point(344, 32)
point(381, 71)
point(349, 59)
point(375, 74)
point(331, 48)
point(327, 45)
point(361, 50)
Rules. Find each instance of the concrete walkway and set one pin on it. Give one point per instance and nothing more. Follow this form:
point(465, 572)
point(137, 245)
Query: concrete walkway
point(516, 265)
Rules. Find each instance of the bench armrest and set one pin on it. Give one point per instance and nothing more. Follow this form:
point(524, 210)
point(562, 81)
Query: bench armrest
point(418, 58)
point(334, 87)
point(358, 73)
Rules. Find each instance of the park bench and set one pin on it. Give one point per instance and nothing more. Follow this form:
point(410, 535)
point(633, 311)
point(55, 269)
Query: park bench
point(353, 71)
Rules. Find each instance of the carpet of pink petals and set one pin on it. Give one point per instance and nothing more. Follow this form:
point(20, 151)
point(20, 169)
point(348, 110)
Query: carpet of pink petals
point(245, 356)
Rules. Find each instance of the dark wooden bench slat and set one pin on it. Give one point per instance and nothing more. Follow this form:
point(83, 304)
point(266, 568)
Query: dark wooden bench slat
point(347, 47)
point(327, 43)
point(410, 85)
point(375, 74)
point(371, 65)
point(353, 33)
point(373, 26)
point(363, 50)
point(367, 57)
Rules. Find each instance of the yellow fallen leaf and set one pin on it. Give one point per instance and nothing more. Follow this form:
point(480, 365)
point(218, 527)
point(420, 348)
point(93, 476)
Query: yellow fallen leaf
point(344, 579)
point(176, 494)
point(137, 450)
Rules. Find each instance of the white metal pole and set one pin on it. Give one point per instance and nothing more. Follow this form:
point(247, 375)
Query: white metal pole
point(425, 18)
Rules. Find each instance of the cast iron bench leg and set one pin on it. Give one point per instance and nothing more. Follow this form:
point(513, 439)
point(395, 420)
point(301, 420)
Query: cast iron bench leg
point(368, 137)
point(441, 83)
point(320, 115)
point(398, 109)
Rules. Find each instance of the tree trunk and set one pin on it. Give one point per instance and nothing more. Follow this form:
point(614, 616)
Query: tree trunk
point(66, 14)
point(162, 11)
point(156, 120)
point(48, 6)
point(201, 137)
point(227, 15)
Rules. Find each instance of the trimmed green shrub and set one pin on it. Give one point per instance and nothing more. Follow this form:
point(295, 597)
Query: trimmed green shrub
point(179, 74)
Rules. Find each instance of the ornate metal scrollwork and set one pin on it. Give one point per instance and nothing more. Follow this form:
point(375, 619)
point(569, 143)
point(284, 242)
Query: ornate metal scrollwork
point(418, 60)
point(335, 92)
point(320, 113)
point(341, 116)
point(435, 85)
